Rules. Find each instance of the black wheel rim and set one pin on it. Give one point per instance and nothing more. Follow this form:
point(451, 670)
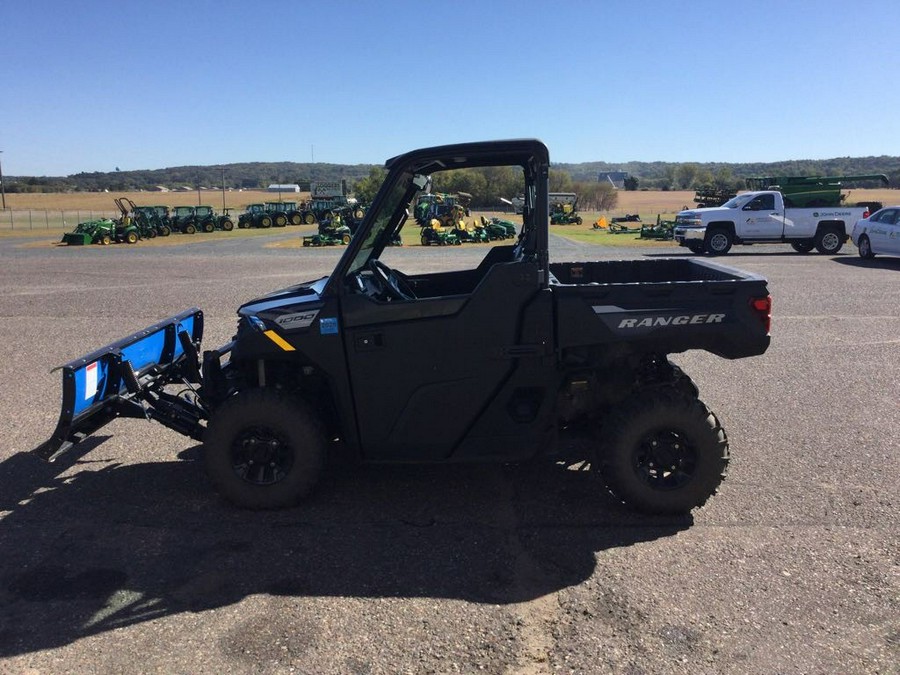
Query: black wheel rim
point(665, 460)
point(260, 456)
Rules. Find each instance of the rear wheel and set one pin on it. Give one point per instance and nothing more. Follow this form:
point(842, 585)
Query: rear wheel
point(265, 221)
point(131, 237)
point(718, 241)
point(828, 241)
point(865, 248)
point(663, 452)
point(804, 246)
point(227, 225)
point(165, 231)
point(345, 238)
point(296, 219)
point(209, 226)
point(264, 449)
point(189, 229)
point(310, 219)
point(279, 221)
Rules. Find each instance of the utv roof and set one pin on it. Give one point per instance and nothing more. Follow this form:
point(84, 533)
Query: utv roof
point(482, 153)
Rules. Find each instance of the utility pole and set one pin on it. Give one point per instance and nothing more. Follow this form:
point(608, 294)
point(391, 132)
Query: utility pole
point(223, 189)
point(2, 188)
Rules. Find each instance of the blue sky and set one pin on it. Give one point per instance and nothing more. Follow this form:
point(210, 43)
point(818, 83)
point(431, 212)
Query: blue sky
point(95, 85)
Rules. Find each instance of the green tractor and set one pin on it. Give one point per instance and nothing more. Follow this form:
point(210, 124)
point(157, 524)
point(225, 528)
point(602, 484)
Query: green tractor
point(155, 217)
point(255, 216)
point(131, 216)
point(497, 229)
point(565, 213)
point(291, 211)
point(207, 220)
point(102, 231)
point(278, 211)
point(331, 233)
point(324, 208)
point(184, 220)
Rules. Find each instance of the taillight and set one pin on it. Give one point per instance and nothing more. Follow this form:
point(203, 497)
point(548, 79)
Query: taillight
point(763, 309)
point(866, 213)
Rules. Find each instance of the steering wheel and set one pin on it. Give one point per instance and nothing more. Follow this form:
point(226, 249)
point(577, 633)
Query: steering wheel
point(392, 284)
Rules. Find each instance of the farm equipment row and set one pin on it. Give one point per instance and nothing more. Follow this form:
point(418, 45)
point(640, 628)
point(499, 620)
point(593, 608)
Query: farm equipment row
point(631, 223)
point(441, 218)
point(146, 222)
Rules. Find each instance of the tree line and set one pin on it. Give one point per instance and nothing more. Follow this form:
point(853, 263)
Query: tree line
point(581, 178)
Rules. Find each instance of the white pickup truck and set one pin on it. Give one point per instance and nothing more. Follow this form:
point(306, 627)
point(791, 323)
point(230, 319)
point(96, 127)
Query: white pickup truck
point(761, 217)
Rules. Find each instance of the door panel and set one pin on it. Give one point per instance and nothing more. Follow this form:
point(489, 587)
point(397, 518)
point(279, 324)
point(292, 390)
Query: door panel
point(421, 380)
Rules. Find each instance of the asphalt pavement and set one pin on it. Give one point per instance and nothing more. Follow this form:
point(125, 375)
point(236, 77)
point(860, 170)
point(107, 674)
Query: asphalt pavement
point(119, 558)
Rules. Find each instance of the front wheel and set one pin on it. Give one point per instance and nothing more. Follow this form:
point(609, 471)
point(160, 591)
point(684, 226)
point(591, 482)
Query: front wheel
point(189, 229)
point(696, 248)
point(718, 242)
point(865, 248)
point(131, 237)
point(227, 225)
point(264, 450)
point(663, 452)
point(828, 241)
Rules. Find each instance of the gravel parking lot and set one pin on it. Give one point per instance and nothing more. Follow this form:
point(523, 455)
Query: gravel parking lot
point(119, 557)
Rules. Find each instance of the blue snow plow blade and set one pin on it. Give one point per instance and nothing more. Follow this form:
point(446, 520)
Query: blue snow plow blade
point(126, 379)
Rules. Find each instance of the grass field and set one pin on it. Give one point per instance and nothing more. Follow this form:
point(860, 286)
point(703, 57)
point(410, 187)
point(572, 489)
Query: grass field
point(642, 202)
point(32, 214)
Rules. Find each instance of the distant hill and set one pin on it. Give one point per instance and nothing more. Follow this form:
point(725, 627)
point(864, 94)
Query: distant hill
point(250, 175)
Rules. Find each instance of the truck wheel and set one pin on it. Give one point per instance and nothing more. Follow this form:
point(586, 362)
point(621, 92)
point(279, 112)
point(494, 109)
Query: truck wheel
point(264, 450)
point(804, 246)
point(663, 452)
point(865, 248)
point(696, 248)
point(718, 241)
point(828, 241)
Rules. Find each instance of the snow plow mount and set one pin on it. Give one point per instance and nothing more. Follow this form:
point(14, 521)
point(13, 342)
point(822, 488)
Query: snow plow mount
point(127, 379)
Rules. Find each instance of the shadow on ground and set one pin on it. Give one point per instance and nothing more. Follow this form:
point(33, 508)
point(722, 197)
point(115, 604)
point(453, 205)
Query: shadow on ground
point(110, 545)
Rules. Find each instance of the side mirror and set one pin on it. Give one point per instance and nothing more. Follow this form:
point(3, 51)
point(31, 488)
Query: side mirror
point(422, 183)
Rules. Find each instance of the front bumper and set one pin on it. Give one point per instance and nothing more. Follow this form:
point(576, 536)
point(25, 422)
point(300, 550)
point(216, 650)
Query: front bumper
point(684, 235)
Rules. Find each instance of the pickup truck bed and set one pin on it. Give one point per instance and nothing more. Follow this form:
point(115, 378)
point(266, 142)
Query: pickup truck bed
point(665, 306)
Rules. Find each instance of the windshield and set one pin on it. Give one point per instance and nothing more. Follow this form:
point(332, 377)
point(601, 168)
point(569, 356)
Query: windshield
point(390, 217)
point(737, 202)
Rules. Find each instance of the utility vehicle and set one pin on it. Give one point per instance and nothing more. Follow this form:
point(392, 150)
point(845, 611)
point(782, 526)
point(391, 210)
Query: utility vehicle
point(542, 351)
